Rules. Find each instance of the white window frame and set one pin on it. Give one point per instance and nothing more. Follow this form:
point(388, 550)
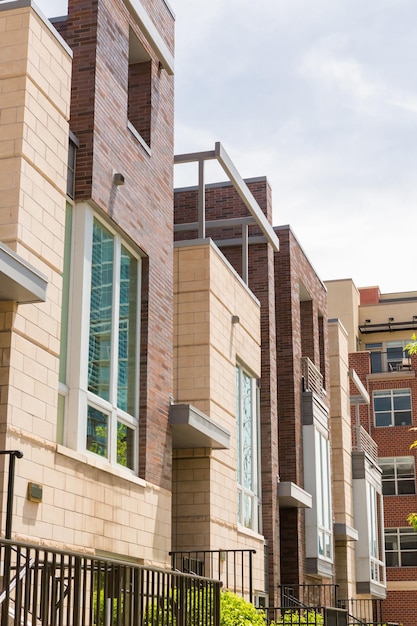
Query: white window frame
point(391, 393)
point(376, 565)
point(323, 496)
point(243, 492)
point(398, 533)
point(79, 397)
point(395, 462)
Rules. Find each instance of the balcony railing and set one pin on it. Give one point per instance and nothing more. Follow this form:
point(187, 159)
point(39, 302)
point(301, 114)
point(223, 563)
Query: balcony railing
point(312, 378)
point(50, 587)
point(363, 442)
point(382, 362)
point(234, 568)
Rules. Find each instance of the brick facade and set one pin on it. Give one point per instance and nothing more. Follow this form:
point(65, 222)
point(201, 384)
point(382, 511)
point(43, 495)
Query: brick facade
point(291, 327)
point(98, 34)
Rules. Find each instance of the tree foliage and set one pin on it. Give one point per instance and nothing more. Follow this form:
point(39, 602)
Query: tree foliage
point(411, 348)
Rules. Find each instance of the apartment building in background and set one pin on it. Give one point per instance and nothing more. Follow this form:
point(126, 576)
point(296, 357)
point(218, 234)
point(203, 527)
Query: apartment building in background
point(379, 326)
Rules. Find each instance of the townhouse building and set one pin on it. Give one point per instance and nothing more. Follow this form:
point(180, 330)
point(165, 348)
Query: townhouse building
point(321, 488)
point(167, 381)
point(379, 326)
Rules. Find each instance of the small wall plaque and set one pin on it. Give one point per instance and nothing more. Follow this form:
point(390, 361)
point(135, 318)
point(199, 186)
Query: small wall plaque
point(34, 492)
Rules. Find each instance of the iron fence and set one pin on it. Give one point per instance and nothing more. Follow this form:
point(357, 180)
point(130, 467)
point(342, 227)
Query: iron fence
point(233, 567)
point(313, 616)
point(46, 587)
point(309, 595)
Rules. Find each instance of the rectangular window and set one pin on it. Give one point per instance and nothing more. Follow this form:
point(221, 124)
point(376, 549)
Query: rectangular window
point(401, 547)
point(398, 477)
point(247, 444)
point(324, 515)
point(392, 407)
point(112, 353)
point(372, 511)
point(99, 388)
point(139, 105)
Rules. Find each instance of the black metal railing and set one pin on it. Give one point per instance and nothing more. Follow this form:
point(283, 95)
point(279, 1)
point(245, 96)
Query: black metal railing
point(314, 616)
point(51, 587)
point(308, 595)
point(233, 567)
point(364, 612)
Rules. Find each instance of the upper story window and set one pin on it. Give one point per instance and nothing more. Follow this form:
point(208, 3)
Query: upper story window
point(101, 380)
point(398, 476)
point(401, 547)
point(139, 102)
point(72, 154)
point(247, 451)
point(389, 356)
point(392, 407)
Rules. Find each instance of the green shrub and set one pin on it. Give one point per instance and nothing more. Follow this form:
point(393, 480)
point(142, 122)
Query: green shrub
point(235, 611)
point(305, 617)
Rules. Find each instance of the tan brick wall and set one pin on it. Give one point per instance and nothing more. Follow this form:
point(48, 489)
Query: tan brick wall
point(207, 346)
point(86, 504)
point(341, 459)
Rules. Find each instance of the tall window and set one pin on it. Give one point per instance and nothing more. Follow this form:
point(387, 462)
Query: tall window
point(247, 443)
point(100, 384)
point(139, 91)
point(398, 477)
point(392, 407)
point(401, 547)
point(323, 500)
point(112, 352)
point(372, 511)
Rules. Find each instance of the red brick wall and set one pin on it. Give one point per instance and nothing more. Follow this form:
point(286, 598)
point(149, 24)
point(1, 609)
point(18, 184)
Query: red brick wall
point(392, 441)
point(98, 33)
point(400, 608)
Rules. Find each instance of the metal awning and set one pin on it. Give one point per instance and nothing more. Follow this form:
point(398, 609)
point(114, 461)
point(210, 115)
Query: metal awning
point(19, 281)
point(192, 428)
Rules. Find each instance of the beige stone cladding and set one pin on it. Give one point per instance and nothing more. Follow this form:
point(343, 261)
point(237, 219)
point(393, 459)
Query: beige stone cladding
point(208, 344)
point(341, 459)
point(342, 302)
point(86, 504)
point(35, 72)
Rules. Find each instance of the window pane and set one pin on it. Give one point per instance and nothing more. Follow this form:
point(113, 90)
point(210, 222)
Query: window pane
point(387, 471)
point(406, 487)
point(408, 541)
point(382, 403)
point(383, 419)
point(391, 559)
point(408, 559)
point(388, 488)
point(126, 379)
point(247, 431)
point(101, 312)
point(402, 403)
point(125, 445)
point(402, 418)
point(247, 511)
point(376, 362)
point(405, 468)
point(97, 431)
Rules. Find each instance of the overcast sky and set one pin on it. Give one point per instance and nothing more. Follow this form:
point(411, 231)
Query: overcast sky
point(320, 97)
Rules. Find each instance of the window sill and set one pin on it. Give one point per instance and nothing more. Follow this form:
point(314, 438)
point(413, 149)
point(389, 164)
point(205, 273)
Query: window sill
point(139, 138)
point(249, 532)
point(100, 464)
